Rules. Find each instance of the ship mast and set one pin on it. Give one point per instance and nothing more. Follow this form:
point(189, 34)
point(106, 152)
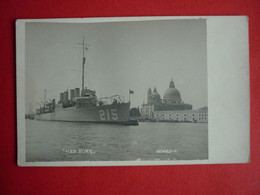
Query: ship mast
point(84, 46)
point(83, 63)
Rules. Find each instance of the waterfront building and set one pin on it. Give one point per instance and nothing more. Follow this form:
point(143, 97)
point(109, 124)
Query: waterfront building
point(171, 107)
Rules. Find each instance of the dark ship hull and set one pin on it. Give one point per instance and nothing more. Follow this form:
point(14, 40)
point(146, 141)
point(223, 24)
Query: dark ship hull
point(113, 113)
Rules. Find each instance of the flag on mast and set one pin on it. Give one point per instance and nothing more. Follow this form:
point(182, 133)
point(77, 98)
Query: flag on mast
point(130, 92)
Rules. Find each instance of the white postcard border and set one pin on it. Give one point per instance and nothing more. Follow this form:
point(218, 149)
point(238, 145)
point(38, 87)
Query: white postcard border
point(228, 91)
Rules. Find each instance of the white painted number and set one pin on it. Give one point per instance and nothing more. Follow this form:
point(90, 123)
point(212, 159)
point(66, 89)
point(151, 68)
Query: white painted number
point(103, 115)
point(114, 114)
point(108, 117)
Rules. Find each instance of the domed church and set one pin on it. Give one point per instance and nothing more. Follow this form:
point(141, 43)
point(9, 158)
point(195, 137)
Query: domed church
point(171, 99)
point(172, 95)
point(171, 107)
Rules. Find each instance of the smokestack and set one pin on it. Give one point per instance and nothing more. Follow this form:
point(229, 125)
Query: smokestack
point(66, 97)
point(77, 92)
point(72, 95)
point(61, 97)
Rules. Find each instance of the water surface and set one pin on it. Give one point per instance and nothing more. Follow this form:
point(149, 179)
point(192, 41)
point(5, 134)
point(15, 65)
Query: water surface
point(75, 141)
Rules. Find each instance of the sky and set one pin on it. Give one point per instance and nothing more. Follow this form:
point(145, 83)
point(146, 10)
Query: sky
point(121, 56)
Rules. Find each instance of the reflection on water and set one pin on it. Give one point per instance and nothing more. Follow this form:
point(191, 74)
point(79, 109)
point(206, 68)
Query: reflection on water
point(74, 141)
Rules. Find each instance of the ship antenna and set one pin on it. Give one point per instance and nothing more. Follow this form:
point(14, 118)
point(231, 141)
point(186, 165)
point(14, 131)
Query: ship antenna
point(83, 63)
point(45, 95)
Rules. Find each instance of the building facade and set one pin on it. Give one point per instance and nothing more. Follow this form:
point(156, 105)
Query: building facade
point(171, 108)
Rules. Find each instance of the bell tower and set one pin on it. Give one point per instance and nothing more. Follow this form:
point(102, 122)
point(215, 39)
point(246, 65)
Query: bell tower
point(149, 93)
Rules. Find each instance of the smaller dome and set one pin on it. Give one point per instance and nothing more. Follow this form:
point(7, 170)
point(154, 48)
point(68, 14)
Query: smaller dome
point(155, 93)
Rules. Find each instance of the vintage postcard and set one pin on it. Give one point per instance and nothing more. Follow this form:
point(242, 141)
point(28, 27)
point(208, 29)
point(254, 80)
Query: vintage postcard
point(132, 91)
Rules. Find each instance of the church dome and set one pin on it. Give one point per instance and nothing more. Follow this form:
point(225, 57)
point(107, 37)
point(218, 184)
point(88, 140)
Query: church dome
point(172, 95)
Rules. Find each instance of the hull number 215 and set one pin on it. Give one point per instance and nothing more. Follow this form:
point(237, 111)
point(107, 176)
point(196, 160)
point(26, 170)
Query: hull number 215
point(108, 114)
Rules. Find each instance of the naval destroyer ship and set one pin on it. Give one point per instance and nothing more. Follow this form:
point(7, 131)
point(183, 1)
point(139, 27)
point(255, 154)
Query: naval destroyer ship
point(85, 106)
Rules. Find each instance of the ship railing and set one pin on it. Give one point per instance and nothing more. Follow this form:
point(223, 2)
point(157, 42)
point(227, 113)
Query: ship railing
point(111, 99)
point(46, 107)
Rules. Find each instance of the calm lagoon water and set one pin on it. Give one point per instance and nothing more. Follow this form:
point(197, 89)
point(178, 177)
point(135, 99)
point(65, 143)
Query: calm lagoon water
point(74, 141)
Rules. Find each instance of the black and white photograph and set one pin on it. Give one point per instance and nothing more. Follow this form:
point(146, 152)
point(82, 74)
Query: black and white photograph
point(117, 91)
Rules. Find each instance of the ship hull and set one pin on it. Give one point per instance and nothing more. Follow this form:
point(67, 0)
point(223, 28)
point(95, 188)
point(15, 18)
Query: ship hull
point(114, 113)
